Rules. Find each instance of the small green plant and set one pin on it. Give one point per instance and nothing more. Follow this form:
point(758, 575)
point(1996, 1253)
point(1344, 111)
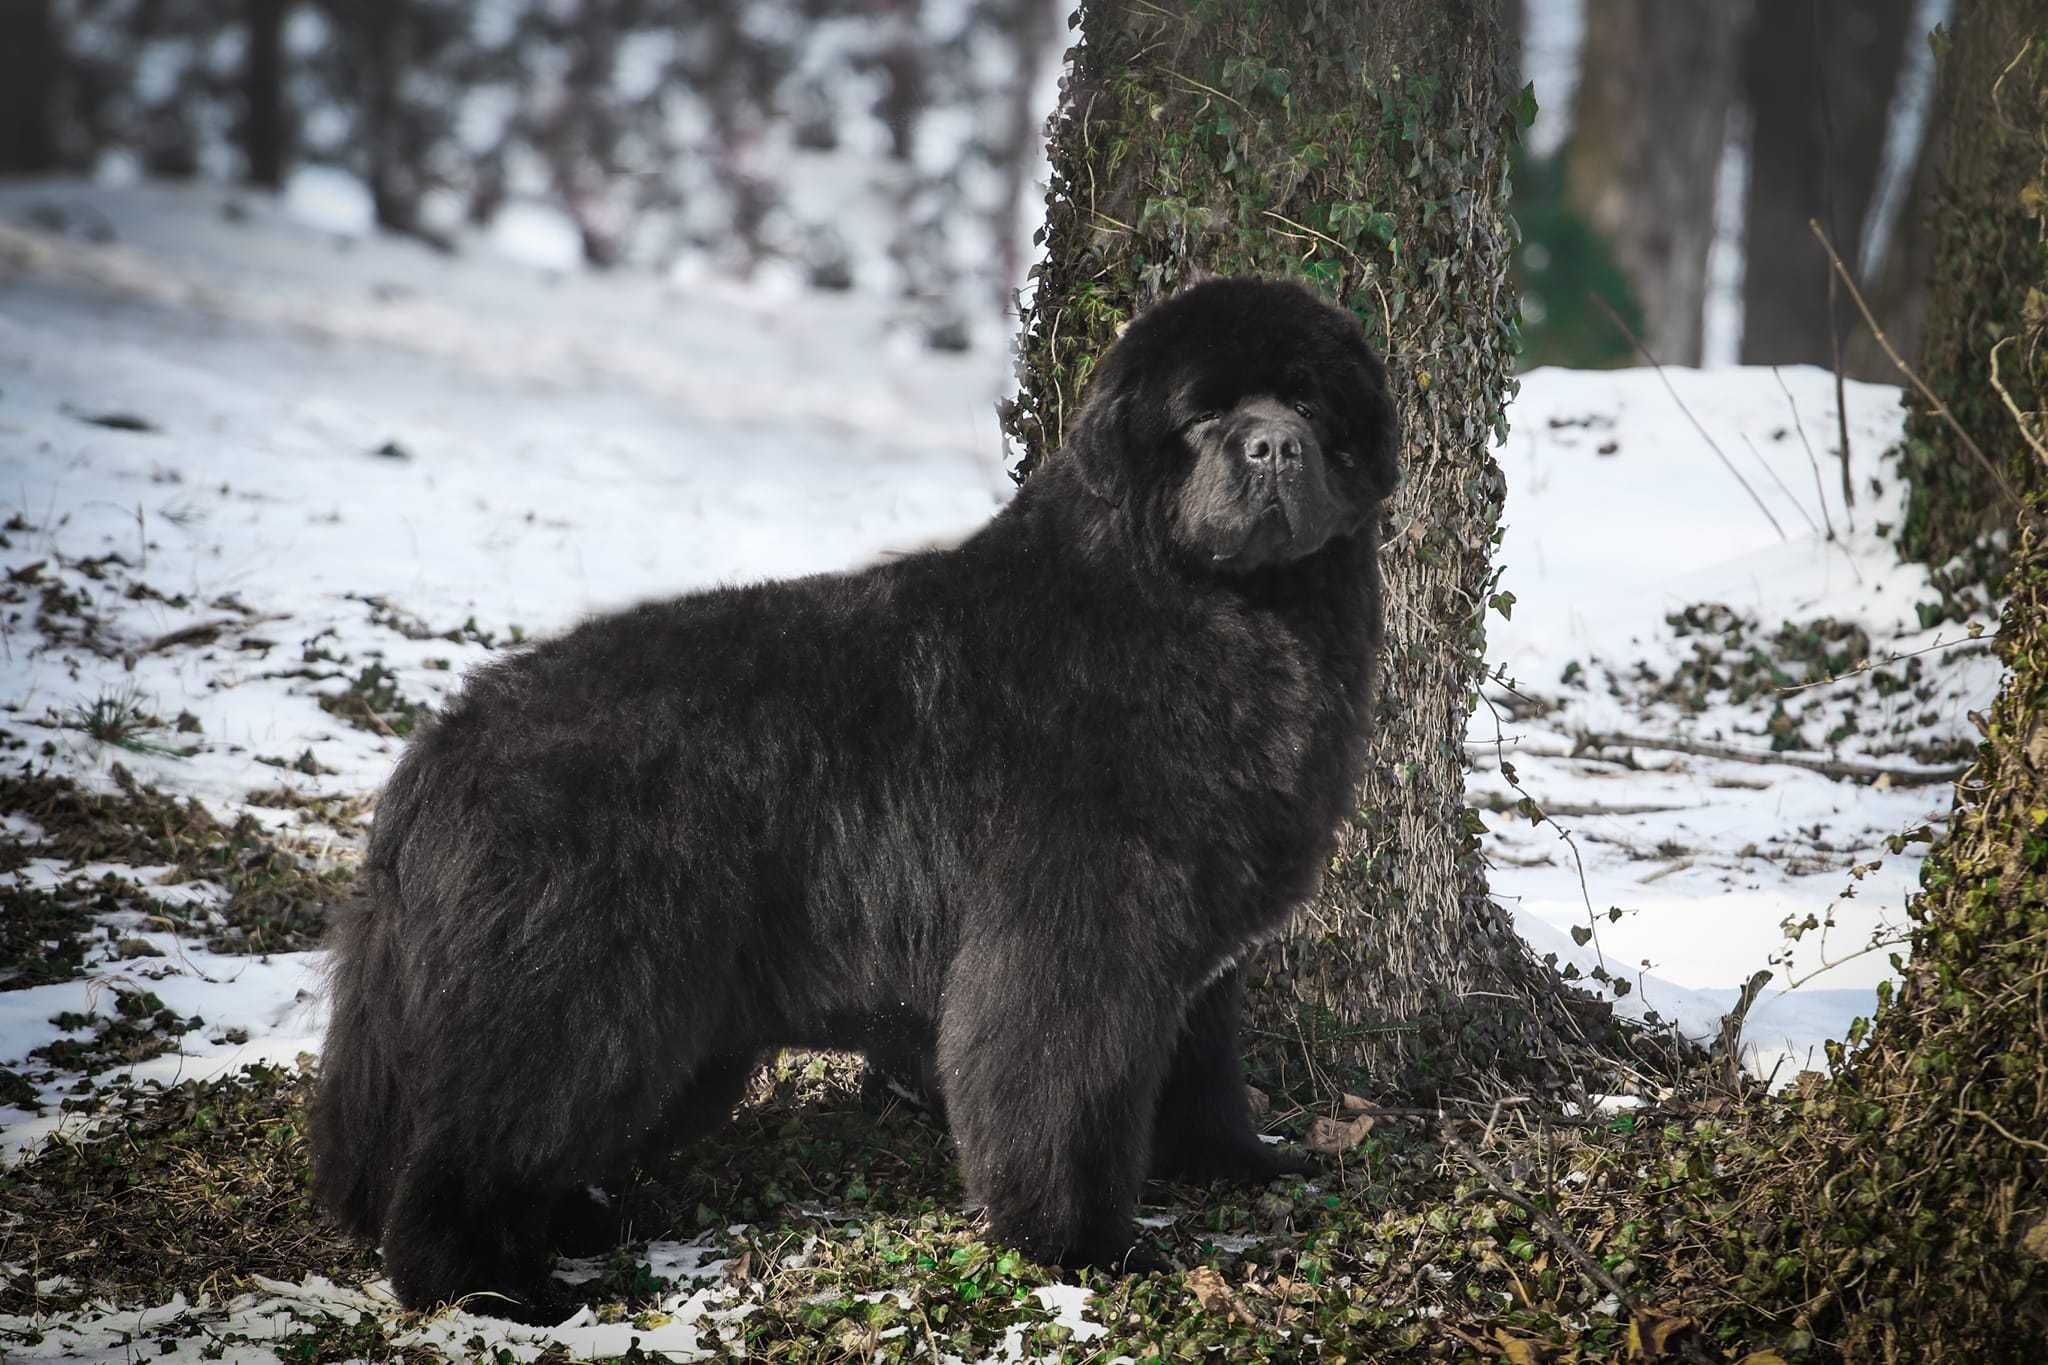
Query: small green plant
point(119, 719)
point(373, 702)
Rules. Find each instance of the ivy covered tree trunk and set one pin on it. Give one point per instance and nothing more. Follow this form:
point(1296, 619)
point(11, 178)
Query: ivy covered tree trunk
point(1909, 1217)
point(1988, 286)
point(1364, 149)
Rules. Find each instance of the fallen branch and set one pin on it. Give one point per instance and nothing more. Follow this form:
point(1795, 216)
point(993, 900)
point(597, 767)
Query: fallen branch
point(1728, 1047)
point(1500, 805)
point(1933, 399)
point(198, 633)
point(1827, 767)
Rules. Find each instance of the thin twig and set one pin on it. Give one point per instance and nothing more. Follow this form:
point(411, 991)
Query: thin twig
point(1507, 774)
point(1811, 459)
point(2004, 1132)
point(1841, 407)
point(1868, 664)
point(2018, 417)
point(1712, 444)
point(1830, 767)
point(1933, 399)
point(1323, 237)
point(1797, 506)
point(1878, 943)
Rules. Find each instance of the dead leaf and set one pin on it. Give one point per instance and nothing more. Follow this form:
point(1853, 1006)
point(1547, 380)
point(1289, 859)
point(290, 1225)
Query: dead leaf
point(1762, 1358)
point(1649, 1335)
point(1354, 1105)
point(1521, 1350)
point(1260, 1103)
point(1214, 1294)
point(2035, 1242)
point(1331, 1137)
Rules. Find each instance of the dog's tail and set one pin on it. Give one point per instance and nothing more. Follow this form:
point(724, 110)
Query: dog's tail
point(360, 1121)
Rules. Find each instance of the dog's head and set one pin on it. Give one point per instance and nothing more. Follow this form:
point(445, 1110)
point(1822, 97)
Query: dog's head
point(1248, 420)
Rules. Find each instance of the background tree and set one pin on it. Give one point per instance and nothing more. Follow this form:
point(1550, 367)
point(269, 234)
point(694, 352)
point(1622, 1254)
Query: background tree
point(1710, 134)
point(1365, 150)
point(266, 132)
point(1649, 119)
point(28, 67)
point(1818, 77)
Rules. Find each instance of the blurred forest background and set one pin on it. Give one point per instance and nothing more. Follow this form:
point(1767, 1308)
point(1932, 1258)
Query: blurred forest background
point(1680, 152)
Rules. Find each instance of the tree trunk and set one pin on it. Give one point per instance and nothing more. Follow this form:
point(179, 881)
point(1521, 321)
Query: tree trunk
point(28, 67)
point(1819, 75)
point(1896, 284)
point(265, 134)
point(1365, 150)
point(1988, 283)
point(1911, 1208)
point(1648, 125)
point(383, 35)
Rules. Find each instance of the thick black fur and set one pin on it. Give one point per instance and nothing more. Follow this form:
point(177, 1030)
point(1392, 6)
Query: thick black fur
point(1011, 814)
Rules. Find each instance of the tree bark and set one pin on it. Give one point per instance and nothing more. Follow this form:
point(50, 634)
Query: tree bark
point(1365, 150)
point(28, 65)
point(1988, 284)
point(1819, 77)
point(266, 136)
point(1649, 120)
point(1897, 285)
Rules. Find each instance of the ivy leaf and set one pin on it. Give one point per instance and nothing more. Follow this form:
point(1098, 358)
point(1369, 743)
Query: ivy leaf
point(1523, 105)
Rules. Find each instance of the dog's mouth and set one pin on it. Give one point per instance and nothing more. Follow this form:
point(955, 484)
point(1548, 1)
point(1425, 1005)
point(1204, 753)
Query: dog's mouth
point(1268, 537)
point(1289, 524)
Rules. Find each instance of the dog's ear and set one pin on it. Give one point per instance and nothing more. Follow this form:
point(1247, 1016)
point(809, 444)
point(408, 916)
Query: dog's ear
point(1099, 441)
point(1373, 422)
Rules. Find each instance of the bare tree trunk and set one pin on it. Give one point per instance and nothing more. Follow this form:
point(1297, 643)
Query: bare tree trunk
point(1649, 121)
point(901, 60)
point(1365, 149)
point(1897, 289)
point(1029, 24)
point(384, 36)
point(266, 136)
point(28, 67)
point(1819, 75)
point(582, 143)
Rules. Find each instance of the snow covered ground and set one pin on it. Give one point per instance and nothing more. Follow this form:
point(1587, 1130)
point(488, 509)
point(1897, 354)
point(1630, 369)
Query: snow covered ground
point(245, 459)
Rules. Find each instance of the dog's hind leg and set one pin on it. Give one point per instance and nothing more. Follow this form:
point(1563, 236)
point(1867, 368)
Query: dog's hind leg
point(1204, 1129)
point(715, 1088)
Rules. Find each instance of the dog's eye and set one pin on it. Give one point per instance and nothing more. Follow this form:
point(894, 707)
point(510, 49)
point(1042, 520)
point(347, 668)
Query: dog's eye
point(1202, 418)
point(1307, 410)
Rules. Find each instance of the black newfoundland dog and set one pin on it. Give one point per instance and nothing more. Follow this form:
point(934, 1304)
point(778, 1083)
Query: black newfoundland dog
point(1009, 815)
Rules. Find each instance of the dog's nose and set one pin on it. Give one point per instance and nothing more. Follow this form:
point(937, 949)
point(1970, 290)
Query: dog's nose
point(1271, 444)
